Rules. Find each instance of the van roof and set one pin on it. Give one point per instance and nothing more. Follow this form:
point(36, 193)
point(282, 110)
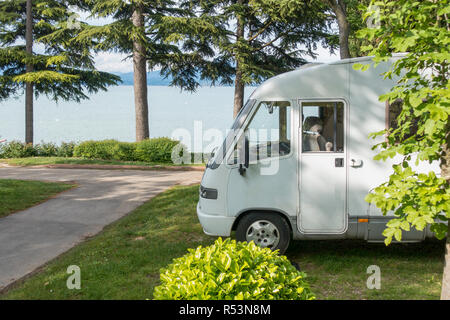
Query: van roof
point(310, 80)
point(346, 61)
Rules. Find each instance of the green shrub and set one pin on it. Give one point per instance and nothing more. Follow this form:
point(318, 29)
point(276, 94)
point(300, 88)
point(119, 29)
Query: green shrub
point(232, 270)
point(96, 149)
point(17, 149)
point(66, 149)
point(156, 150)
point(151, 150)
point(46, 149)
point(125, 151)
point(106, 150)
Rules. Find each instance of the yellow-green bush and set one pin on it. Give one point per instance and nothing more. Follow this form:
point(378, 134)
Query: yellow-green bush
point(156, 150)
point(91, 149)
point(232, 270)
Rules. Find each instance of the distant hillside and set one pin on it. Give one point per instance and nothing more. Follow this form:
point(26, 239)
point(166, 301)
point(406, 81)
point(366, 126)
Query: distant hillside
point(153, 79)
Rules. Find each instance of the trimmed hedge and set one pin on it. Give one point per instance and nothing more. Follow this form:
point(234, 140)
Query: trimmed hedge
point(105, 150)
point(156, 150)
point(232, 270)
point(17, 149)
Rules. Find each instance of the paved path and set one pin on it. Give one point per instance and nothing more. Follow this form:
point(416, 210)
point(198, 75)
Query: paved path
point(30, 238)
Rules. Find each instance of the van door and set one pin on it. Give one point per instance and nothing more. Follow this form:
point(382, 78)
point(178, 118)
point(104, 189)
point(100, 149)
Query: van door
point(270, 181)
point(322, 167)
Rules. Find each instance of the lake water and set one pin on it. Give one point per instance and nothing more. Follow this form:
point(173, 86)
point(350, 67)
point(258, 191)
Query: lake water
point(110, 115)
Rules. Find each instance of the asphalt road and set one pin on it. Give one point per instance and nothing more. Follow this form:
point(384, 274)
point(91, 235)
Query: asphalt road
point(30, 238)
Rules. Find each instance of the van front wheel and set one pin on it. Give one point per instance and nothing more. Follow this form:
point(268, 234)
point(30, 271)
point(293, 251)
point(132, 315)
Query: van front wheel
point(265, 229)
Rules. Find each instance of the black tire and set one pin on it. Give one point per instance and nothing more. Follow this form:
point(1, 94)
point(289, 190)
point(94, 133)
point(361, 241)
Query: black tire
point(258, 226)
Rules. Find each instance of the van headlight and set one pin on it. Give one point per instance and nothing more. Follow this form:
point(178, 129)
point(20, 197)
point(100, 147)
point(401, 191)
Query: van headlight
point(208, 193)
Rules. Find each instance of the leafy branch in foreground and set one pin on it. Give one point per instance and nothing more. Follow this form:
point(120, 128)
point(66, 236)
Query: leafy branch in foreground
point(422, 126)
point(417, 199)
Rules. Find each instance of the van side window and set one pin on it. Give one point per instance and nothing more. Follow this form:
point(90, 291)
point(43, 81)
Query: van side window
point(268, 132)
point(393, 110)
point(323, 126)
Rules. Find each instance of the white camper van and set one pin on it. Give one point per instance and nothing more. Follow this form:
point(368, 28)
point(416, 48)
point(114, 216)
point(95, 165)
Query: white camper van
point(298, 162)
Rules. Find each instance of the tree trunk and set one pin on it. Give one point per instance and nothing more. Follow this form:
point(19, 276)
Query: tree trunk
point(238, 83)
point(140, 80)
point(238, 92)
point(29, 68)
point(339, 9)
point(445, 173)
point(445, 291)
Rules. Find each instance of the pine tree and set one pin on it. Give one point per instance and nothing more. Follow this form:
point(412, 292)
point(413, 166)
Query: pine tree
point(253, 39)
point(58, 68)
point(138, 31)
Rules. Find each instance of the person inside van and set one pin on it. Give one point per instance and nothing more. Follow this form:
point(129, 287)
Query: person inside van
point(312, 136)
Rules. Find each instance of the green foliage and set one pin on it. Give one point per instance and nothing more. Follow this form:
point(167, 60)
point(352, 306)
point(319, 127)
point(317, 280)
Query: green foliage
point(422, 30)
point(46, 149)
point(105, 150)
point(232, 270)
point(276, 36)
point(355, 13)
point(66, 149)
point(125, 151)
point(156, 150)
point(119, 35)
point(416, 199)
point(17, 149)
point(63, 69)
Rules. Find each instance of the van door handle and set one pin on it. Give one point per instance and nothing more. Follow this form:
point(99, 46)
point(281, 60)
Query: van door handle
point(356, 163)
point(339, 162)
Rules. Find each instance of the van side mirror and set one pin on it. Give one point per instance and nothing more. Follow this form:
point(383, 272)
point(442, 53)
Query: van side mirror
point(245, 154)
point(213, 151)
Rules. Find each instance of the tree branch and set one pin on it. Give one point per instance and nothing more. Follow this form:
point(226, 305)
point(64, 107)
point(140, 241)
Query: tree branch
point(264, 28)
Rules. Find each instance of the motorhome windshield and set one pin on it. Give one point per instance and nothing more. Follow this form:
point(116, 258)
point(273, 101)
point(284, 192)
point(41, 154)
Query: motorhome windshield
point(231, 136)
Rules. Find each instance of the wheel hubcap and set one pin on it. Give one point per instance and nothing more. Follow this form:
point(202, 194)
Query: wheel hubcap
point(264, 233)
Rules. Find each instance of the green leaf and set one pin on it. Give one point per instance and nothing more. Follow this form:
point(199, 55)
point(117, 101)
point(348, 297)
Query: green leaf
point(398, 235)
point(415, 100)
point(357, 66)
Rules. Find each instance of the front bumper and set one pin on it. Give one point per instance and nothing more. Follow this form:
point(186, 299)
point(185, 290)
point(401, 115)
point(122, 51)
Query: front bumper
point(215, 225)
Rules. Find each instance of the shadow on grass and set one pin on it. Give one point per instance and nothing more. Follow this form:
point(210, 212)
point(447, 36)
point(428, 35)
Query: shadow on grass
point(337, 269)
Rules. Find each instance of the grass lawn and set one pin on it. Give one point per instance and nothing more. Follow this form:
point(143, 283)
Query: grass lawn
point(338, 269)
point(123, 262)
point(16, 195)
point(33, 161)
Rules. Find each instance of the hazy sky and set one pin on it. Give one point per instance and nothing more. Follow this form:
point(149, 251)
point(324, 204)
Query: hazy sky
point(114, 62)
